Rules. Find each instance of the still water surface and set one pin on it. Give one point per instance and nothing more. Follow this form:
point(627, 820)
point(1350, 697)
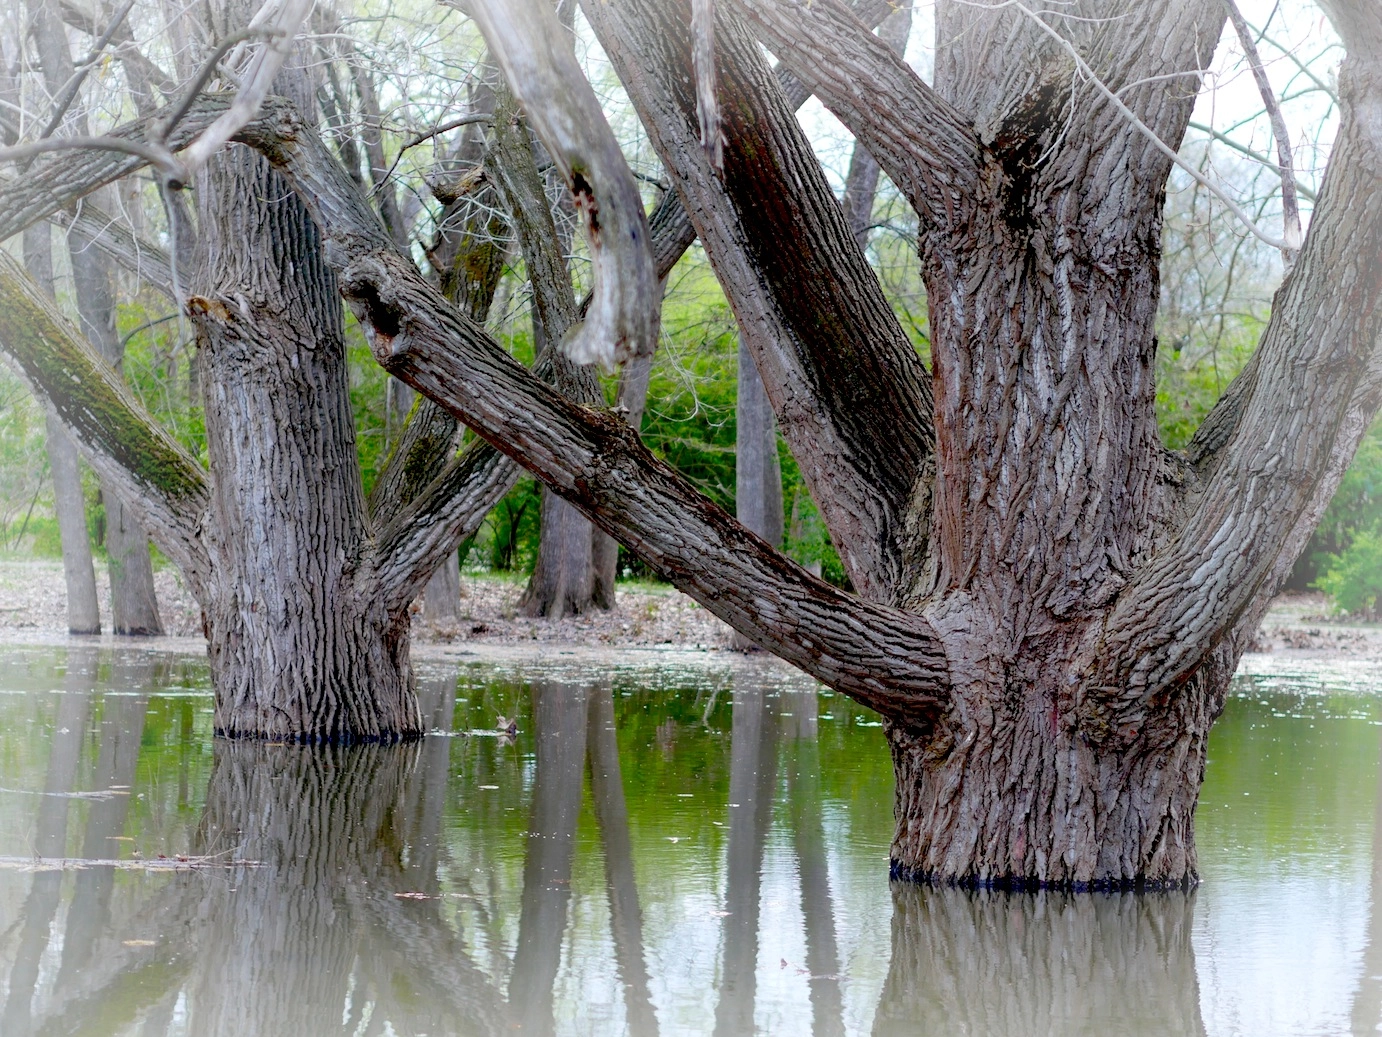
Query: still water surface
point(681, 846)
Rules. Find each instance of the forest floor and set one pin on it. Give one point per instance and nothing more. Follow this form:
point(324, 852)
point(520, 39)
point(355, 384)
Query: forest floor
point(33, 608)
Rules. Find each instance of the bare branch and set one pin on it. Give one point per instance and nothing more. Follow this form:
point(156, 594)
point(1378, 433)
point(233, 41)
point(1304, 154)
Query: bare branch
point(1290, 205)
point(1247, 152)
point(279, 20)
point(927, 148)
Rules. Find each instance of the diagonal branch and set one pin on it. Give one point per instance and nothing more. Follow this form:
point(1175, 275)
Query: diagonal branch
point(927, 148)
point(1277, 447)
point(851, 396)
point(157, 478)
point(888, 659)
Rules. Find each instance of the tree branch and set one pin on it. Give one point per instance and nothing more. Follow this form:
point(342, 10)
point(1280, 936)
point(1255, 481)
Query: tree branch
point(888, 659)
point(851, 396)
point(147, 261)
point(927, 148)
point(532, 49)
point(164, 486)
point(421, 536)
point(1287, 431)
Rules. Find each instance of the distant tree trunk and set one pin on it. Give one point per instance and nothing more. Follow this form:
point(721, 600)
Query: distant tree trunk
point(133, 605)
point(299, 646)
point(441, 599)
point(757, 469)
point(69, 501)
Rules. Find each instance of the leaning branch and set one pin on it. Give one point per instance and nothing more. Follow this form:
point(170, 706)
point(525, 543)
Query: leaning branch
point(156, 477)
point(927, 148)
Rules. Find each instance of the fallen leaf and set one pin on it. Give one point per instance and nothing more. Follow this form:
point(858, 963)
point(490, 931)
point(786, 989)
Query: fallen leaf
point(140, 943)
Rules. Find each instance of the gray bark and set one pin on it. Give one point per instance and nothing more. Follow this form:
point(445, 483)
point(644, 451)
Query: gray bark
point(757, 471)
point(69, 501)
point(300, 647)
point(861, 182)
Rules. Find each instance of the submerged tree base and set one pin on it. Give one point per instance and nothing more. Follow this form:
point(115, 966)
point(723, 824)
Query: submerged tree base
point(899, 872)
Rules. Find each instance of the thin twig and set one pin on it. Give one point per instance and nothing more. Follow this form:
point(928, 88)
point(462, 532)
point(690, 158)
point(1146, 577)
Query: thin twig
point(454, 124)
point(1223, 138)
point(70, 88)
point(204, 75)
point(1290, 202)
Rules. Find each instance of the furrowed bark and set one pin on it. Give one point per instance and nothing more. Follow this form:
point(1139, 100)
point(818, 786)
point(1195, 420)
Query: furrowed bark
point(528, 42)
point(888, 659)
point(121, 441)
point(301, 646)
point(850, 394)
point(928, 148)
point(861, 183)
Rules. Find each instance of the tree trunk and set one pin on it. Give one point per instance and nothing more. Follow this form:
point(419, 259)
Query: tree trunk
point(79, 572)
point(757, 470)
point(301, 647)
point(442, 597)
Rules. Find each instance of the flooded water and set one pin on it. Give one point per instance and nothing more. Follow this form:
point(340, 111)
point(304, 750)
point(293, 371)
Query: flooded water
point(677, 847)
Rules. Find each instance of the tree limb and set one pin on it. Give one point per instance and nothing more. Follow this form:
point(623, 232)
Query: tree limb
point(158, 479)
point(851, 396)
point(1287, 430)
point(530, 46)
point(927, 148)
point(147, 261)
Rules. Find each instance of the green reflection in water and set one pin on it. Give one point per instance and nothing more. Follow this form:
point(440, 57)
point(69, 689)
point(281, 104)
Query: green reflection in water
point(689, 848)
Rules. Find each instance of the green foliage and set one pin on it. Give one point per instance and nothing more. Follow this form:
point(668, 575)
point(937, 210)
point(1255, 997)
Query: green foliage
point(509, 539)
point(25, 490)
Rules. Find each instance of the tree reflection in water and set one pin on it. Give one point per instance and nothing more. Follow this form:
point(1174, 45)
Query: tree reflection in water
point(1040, 965)
point(315, 940)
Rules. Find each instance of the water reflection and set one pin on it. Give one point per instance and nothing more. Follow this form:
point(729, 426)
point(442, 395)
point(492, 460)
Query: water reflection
point(1009, 966)
point(706, 857)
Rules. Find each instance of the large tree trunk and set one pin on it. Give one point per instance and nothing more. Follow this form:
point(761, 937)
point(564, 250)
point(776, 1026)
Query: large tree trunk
point(78, 569)
point(300, 647)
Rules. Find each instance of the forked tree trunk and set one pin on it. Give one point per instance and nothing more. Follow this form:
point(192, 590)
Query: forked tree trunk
point(300, 647)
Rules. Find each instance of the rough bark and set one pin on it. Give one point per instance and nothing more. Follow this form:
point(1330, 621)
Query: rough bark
point(850, 394)
point(302, 647)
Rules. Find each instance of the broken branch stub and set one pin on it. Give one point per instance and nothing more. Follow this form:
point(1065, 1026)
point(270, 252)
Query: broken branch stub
point(537, 59)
